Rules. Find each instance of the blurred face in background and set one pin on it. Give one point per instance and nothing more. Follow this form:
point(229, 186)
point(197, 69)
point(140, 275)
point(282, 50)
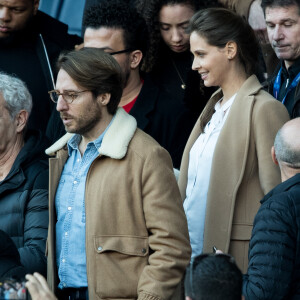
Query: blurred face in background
point(283, 26)
point(109, 40)
point(173, 21)
point(15, 15)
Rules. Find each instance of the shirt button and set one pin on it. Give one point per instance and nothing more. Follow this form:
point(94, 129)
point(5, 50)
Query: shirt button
point(78, 160)
point(75, 182)
point(63, 260)
point(99, 248)
point(66, 233)
point(64, 284)
point(69, 208)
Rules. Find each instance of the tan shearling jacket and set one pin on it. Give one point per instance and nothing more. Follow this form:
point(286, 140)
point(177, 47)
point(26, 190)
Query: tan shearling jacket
point(137, 243)
point(242, 169)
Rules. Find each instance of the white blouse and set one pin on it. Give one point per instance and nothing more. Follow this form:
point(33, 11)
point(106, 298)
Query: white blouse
point(200, 161)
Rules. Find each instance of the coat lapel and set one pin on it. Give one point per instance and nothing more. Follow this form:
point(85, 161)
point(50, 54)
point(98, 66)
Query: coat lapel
point(228, 168)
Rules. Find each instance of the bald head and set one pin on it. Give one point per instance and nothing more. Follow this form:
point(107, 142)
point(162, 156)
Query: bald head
point(287, 144)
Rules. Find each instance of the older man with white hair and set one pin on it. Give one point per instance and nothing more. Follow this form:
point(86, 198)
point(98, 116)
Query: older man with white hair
point(23, 176)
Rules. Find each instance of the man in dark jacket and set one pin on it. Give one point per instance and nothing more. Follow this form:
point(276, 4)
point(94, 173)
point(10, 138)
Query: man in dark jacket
point(283, 26)
point(274, 260)
point(23, 176)
point(30, 42)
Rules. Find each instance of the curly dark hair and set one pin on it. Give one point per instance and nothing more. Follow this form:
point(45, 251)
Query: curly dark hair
point(119, 15)
point(150, 9)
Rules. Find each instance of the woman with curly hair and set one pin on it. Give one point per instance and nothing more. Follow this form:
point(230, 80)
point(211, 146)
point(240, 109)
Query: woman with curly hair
point(168, 59)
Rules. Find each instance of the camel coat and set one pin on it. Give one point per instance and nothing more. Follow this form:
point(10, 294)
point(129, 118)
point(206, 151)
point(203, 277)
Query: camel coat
point(137, 242)
point(242, 169)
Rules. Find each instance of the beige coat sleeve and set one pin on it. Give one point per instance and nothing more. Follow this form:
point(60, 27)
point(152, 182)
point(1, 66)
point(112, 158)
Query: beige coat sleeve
point(167, 226)
point(268, 118)
point(239, 6)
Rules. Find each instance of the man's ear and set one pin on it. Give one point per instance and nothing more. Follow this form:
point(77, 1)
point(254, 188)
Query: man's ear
point(21, 120)
point(135, 58)
point(104, 98)
point(36, 4)
point(274, 158)
point(231, 50)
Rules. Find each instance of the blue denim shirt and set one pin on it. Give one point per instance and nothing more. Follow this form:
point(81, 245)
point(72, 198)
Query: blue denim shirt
point(70, 211)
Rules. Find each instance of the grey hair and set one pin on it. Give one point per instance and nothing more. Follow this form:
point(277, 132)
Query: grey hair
point(15, 94)
point(286, 152)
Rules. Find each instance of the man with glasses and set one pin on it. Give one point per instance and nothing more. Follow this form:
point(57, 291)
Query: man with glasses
point(117, 228)
point(115, 27)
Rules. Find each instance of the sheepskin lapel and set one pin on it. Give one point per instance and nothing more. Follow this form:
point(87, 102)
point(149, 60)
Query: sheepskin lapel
point(118, 135)
point(115, 141)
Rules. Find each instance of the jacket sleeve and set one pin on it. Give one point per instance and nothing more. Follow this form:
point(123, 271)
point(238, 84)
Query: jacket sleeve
point(167, 227)
point(268, 117)
point(272, 252)
point(35, 226)
point(241, 7)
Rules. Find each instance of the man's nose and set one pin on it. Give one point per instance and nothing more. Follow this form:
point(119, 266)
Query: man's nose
point(61, 104)
point(5, 14)
point(278, 34)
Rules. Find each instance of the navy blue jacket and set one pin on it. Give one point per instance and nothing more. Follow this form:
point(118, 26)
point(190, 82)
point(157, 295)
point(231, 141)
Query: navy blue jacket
point(24, 204)
point(274, 251)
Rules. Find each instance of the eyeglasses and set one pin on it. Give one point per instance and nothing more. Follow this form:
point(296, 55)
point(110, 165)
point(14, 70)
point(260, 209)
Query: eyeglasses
point(121, 51)
point(69, 97)
point(195, 261)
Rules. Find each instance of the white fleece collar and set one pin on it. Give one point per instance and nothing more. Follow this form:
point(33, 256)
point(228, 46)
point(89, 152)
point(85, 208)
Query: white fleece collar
point(115, 141)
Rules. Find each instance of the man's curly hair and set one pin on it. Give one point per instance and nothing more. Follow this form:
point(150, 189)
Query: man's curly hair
point(118, 14)
point(150, 9)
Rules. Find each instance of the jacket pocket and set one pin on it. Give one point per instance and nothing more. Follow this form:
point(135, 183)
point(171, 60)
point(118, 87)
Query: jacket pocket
point(241, 232)
point(119, 262)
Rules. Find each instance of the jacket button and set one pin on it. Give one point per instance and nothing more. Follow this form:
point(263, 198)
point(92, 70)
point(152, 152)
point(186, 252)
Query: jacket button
point(144, 250)
point(99, 248)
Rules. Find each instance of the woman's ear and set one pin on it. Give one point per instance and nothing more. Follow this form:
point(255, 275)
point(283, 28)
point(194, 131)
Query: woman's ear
point(231, 50)
point(135, 58)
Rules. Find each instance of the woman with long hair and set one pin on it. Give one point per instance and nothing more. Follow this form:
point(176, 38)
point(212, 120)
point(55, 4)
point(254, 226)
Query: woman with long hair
point(168, 58)
point(226, 167)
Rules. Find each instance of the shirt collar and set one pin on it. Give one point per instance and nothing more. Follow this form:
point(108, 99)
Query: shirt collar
point(293, 70)
point(73, 143)
point(226, 105)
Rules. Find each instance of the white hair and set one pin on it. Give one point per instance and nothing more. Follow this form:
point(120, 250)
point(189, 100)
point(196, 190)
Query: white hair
point(15, 94)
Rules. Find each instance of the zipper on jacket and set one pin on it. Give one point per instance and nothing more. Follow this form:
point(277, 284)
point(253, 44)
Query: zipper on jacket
point(47, 59)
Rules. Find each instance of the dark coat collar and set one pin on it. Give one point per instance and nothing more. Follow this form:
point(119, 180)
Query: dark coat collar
point(283, 187)
point(145, 103)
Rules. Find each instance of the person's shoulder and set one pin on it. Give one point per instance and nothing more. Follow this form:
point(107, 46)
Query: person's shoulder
point(143, 143)
point(264, 102)
point(145, 147)
point(285, 200)
point(55, 31)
